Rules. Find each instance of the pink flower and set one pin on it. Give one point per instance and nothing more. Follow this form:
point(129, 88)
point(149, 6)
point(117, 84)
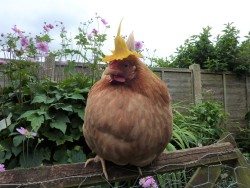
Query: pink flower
point(48, 27)
point(148, 182)
point(42, 46)
point(94, 31)
point(63, 30)
point(104, 21)
point(89, 36)
point(25, 42)
point(30, 59)
point(42, 55)
point(138, 45)
point(3, 62)
point(62, 62)
point(2, 168)
point(18, 31)
point(25, 132)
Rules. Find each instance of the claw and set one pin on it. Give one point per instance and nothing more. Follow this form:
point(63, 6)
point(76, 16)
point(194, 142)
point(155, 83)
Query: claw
point(97, 159)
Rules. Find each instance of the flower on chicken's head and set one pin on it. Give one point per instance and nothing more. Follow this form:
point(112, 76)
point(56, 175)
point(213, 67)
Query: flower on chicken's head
point(121, 49)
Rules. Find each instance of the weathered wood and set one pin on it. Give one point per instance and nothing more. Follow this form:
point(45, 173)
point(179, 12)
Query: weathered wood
point(196, 73)
point(242, 171)
point(75, 174)
point(205, 177)
point(208, 175)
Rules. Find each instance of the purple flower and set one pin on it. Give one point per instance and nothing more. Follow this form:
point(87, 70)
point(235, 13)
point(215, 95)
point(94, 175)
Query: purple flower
point(148, 182)
point(62, 62)
point(25, 132)
point(48, 27)
point(138, 45)
point(89, 36)
point(63, 30)
point(18, 31)
point(45, 28)
point(30, 59)
point(94, 31)
point(104, 21)
point(3, 62)
point(42, 46)
point(42, 55)
point(25, 42)
point(2, 168)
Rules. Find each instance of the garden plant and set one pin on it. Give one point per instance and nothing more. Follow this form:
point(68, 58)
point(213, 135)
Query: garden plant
point(41, 119)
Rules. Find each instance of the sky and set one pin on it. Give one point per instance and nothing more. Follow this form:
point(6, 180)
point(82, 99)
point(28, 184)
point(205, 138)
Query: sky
point(163, 25)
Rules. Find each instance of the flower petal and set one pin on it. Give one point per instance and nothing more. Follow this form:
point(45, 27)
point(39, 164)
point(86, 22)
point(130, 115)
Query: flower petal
point(121, 50)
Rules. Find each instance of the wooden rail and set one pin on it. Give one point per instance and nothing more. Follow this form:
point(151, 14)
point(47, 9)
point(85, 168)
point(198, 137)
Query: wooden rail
point(69, 175)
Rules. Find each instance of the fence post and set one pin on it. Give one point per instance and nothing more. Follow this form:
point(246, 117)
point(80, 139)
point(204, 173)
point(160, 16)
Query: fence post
point(49, 67)
point(196, 77)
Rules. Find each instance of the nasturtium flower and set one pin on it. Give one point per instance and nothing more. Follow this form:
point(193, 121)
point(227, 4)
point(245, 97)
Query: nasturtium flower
point(42, 46)
point(121, 49)
point(138, 45)
point(25, 132)
point(2, 167)
point(148, 182)
point(104, 21)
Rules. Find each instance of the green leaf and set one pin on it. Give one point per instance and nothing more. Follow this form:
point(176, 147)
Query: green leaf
point(63, 106)
point(80, 112)
point(76, 96)
point(4, 123)
point(60, 156)
point(77, 156)
point(60, 122)
point(34, 158)
point(17, 140)
point(170, 147)
point(17, 150)
point(36, 121)
point(27, 114)
point(57, 136)
point(42, 99)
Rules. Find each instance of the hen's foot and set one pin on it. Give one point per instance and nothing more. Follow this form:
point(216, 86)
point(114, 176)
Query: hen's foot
point(97, 159)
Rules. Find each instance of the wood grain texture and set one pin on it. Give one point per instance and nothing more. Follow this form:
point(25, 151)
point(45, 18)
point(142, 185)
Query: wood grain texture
point(75, 174)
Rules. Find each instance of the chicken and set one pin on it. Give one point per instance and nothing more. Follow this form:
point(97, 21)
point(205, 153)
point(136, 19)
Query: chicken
point(128, 116)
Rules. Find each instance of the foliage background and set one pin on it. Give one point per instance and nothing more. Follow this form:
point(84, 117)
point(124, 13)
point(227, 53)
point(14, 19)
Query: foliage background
point(55, 110)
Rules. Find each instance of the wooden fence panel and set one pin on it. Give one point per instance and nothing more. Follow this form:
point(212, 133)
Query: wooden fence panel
point(236, 101)
point(212, 87)
point(186, 86)
point(180, 85)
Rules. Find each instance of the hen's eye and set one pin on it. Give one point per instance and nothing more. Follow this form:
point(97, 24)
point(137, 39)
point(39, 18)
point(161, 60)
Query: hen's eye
point(125, 65)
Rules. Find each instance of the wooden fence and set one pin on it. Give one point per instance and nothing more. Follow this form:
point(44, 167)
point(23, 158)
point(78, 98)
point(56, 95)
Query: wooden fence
point(208, 161)
point(194, 85)
point(187, 86)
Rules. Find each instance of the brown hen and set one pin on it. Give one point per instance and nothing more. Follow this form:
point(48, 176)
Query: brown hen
point(128, 116)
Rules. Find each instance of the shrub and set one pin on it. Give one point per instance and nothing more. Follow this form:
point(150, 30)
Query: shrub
point(197, 125)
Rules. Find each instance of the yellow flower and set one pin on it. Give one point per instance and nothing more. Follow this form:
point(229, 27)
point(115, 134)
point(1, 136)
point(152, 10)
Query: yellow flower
point(121, 50)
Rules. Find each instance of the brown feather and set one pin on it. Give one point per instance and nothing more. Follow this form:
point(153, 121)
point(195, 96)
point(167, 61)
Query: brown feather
point(129, 123)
